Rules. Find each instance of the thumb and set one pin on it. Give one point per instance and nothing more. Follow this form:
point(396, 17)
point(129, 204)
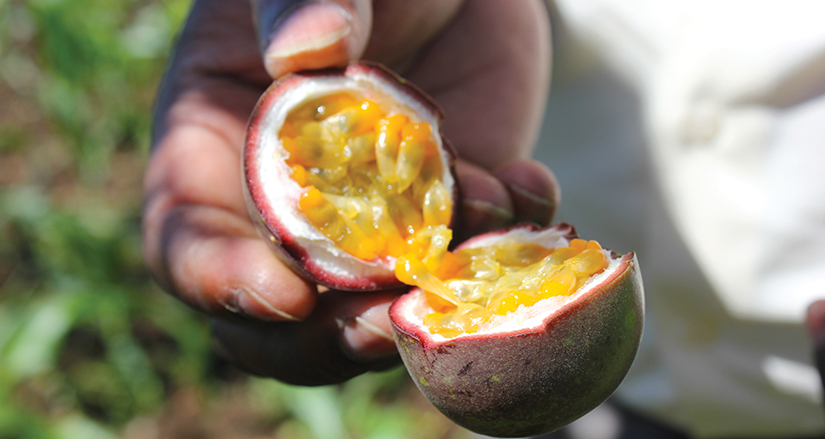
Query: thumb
point(311, 34)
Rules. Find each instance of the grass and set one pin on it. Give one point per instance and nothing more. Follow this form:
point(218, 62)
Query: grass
point(89, 346)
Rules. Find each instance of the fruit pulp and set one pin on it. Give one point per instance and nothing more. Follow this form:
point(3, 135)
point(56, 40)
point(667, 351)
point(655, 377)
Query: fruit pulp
point(372, 184)
point(466, 288)
point(373, 180)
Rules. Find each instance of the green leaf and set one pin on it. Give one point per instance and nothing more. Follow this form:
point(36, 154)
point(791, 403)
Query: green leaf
point(78, 427)
point(35, 347)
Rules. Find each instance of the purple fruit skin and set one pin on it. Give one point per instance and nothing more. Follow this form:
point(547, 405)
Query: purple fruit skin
point(267, 219)
point(531, 383)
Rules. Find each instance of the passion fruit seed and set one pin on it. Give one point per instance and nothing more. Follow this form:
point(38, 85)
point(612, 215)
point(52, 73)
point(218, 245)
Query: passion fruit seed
point(548, 340)
point(372, 185)
point(372, 180)
point(497, 280)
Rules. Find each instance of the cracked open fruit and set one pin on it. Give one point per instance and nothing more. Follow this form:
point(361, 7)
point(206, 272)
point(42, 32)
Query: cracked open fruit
point(513, 333)
point(520, 332)
point(346, 171)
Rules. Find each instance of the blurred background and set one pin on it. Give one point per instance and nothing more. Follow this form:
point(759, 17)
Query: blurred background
point(89, 346)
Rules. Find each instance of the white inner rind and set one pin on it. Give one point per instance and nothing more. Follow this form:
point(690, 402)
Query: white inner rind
point(525, 317)
point(282, 193)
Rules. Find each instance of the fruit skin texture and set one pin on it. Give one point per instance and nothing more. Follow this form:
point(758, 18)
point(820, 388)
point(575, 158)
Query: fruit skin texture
point(311, 261)
point(527, 383)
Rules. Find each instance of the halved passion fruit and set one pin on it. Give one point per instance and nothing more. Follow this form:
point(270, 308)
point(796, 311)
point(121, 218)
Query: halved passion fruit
point(515, 332)
point(519, 332)
point(346, 171)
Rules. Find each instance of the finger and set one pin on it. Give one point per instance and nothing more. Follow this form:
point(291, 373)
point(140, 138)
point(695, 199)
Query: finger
point(533, 188)
point(215, 261)
point(403, 28)
point(347, 334)
point(198, 239)
point(301, 34)
point(489, 71)
point(305, 34)
point(815, 321)
point(485, 203)
point(216, 66)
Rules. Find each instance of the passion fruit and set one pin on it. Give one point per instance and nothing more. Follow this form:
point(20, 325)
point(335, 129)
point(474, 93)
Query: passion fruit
point(520, 332)
point(513, 333)
point(345, 170)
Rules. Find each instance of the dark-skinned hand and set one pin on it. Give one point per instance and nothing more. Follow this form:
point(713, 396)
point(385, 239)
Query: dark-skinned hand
point(486, 62)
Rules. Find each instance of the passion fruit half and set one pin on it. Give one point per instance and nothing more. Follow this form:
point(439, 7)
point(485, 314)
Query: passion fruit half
point(513, 333)
point(345, 170)
point(520, 332)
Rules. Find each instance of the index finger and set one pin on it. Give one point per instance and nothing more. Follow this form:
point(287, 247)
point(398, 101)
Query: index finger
point(198, 239)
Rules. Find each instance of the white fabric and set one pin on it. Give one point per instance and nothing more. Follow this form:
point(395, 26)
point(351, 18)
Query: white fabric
point(693, 132)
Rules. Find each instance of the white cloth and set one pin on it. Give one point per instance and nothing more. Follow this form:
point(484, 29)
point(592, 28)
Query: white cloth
point(693, 132)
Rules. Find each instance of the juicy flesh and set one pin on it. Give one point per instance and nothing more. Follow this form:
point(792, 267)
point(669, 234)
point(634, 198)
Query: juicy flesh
point(372, 184)
point(466, 288)
point(372, 180)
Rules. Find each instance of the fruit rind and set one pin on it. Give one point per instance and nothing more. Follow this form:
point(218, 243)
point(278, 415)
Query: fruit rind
point(535, 381)
point(271, 193)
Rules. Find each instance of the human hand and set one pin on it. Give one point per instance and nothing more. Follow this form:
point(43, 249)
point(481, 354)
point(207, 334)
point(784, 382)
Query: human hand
point(485, 62)
point(815, 321)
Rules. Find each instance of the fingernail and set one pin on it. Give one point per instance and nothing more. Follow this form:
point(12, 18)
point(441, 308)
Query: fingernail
point(372, 329)
point(365, 338)
point(251, 302)
point(313, 33)
point(479, 216)
point(495, 213)
point(531, 207)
